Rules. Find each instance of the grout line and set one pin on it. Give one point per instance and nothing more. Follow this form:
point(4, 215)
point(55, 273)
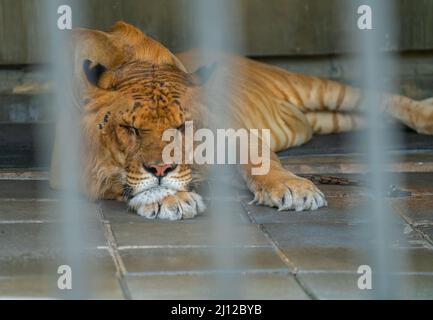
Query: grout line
point(17, 178)
point(207, 272)
point(293, 269)
point(397, 273)
point(356, 155)
point(27, 221)
point(423, 235)
point(360, 195)
point(24, 175)
point(310, 294)
point(112, 249)
point(423, 223)
point(29, 200)
point(414, 226)
point(137, 247)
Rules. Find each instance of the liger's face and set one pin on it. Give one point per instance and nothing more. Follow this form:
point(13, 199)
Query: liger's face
point(156, 98)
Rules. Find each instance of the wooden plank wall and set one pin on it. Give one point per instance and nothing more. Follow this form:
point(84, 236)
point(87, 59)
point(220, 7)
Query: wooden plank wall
point(270, 27)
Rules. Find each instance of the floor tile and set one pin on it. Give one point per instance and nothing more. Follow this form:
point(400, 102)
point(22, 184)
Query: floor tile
point(427, 231)
point(97, 260)
point(344, 247)
point(43, 287)
point(40, 211)
point(26, 189)
point(416, 210)
point(278, 286)
point(184, 260)
point(36, 276)
point(36, 239)
point(419, 183)
point(342, 191)
point(184, 233)
point(349, 259)
point(339, 210)
point(335, 235)
point(344, 286)
point(117, 211)
point(351, 163)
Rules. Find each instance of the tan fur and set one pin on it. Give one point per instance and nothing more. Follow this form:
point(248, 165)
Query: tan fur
point(147, 87)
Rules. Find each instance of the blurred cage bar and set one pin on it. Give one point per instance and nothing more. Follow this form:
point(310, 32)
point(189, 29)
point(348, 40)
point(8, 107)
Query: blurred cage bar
point(73, 236)
point(213, 33)
point(288, 33)
point(70, 238)
point(374, 56)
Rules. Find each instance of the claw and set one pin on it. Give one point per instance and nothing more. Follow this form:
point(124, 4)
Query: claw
point(182, 205)
point(294, 194)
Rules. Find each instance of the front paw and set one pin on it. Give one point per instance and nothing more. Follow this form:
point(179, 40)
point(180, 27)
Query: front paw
point(182, 205)
point(286, 191)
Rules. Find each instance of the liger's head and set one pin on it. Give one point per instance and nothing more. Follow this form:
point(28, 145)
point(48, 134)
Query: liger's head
point(133, 90)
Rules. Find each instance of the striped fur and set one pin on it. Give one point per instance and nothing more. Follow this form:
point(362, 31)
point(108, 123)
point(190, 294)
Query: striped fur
point(294, 106)
point(146, 89)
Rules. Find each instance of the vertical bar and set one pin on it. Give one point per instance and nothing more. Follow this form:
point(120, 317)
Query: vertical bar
point(213, 34)
point(72, 235)
point(375, 61)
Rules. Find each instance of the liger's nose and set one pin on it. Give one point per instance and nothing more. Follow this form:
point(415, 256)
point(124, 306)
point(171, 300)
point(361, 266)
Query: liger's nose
point(160, 170)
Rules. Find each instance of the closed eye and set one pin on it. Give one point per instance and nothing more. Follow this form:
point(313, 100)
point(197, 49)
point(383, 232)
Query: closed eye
point(133, 130)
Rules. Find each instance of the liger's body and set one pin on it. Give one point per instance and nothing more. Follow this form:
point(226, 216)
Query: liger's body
point(131, 89)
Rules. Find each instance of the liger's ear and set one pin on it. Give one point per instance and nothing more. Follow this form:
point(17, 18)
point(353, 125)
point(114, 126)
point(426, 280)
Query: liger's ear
point(95, 53)
point(93, 71)
point(202, 74)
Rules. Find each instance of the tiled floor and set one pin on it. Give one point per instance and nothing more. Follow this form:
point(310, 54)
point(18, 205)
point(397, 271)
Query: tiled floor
point(275, 255)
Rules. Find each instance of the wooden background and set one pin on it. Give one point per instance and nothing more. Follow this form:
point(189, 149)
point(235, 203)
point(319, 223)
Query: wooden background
point(308, 36)
point(270, 27)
